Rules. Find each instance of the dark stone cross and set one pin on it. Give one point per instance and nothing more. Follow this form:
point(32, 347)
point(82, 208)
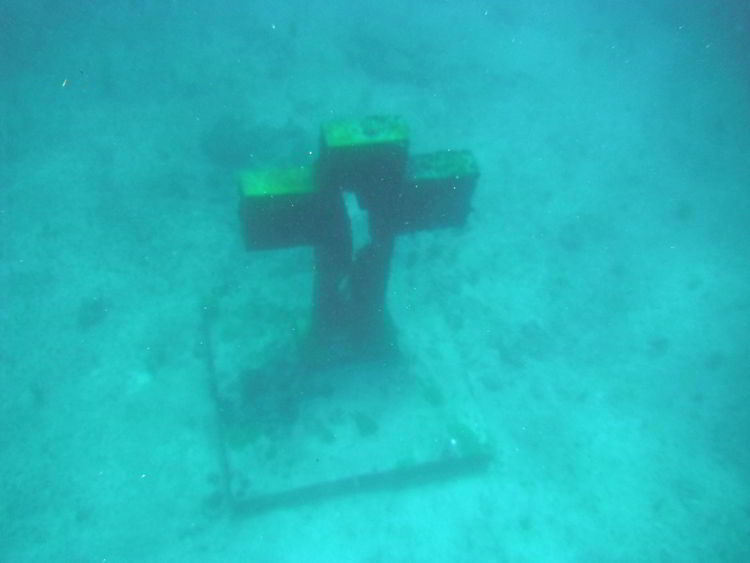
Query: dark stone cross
point(306, 205)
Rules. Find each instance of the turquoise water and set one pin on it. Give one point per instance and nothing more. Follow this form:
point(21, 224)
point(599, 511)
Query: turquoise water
point(570, 375)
